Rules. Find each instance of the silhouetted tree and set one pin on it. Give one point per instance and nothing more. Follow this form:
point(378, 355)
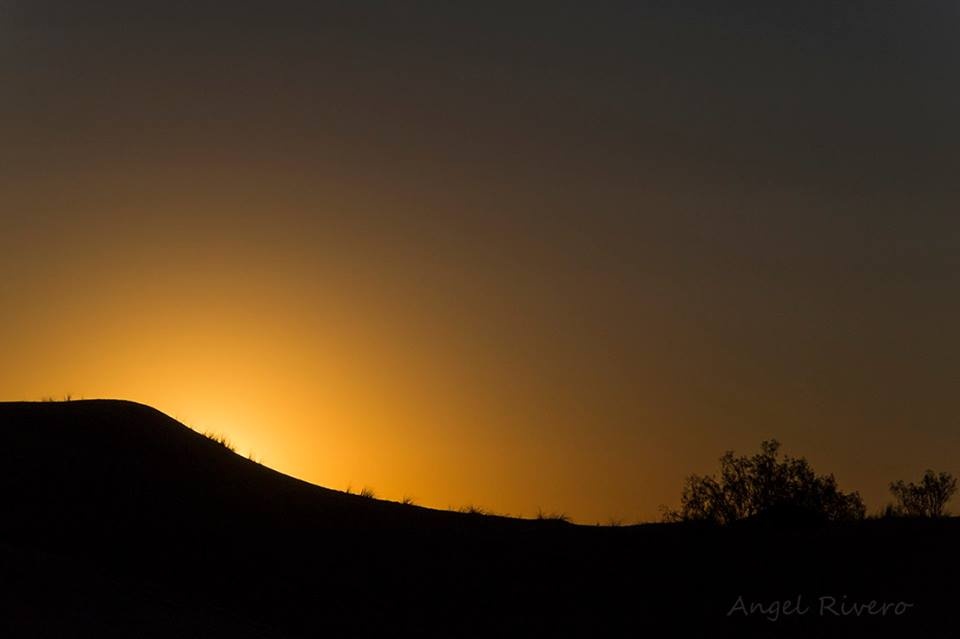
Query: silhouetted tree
point(765, 485)
point(926, 499)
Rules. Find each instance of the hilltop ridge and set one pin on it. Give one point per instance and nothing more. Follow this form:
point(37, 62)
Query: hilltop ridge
point(120, 521)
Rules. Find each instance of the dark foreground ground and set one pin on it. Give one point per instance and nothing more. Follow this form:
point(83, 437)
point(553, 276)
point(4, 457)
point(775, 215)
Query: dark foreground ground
point(118, 521)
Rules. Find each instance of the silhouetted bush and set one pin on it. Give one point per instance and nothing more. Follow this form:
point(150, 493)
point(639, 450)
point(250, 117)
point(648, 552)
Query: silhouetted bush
point(222, 440)
point(558, 517)
point(765, 486)
point(368, 492)
point(926, 499)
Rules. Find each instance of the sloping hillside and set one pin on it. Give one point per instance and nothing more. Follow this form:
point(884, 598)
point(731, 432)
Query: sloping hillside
point(119, 521)
point(104, 466)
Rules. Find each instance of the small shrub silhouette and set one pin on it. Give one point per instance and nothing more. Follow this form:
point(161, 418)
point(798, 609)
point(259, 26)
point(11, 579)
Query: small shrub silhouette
point(925, 499)
point(368, 492)
point(557, 517)
point(408, 500)
point(765, 486)
point(222, 440)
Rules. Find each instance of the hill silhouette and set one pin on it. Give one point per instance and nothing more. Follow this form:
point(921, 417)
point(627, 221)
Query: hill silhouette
point(120, 521)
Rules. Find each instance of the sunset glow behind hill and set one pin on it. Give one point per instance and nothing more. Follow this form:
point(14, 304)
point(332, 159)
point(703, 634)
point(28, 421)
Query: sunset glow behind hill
point(561, 266)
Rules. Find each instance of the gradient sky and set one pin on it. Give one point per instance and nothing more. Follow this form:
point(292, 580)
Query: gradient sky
point(547, 255)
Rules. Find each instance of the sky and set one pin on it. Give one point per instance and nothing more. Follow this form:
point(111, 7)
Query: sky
point(525, 256)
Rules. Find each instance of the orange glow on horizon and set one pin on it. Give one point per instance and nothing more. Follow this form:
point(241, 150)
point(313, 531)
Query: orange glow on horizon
point(480, 257)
